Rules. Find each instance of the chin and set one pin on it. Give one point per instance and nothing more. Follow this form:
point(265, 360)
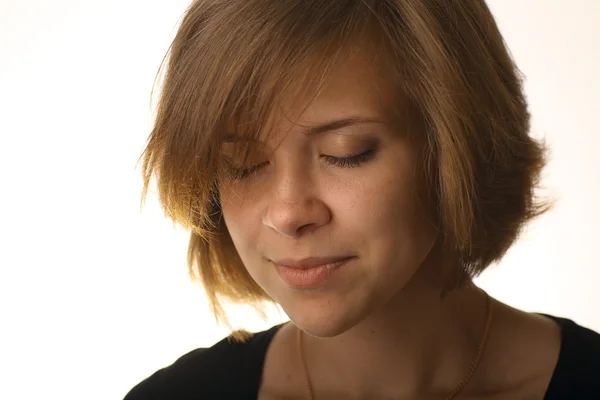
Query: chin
point(326, 328)
point(325, 318)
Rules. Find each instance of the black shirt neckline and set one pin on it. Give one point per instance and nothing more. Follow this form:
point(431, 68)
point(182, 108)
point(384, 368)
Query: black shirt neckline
point(561, 369)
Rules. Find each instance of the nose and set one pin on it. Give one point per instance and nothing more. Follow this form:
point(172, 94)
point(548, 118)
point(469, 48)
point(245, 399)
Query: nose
point(295, 208)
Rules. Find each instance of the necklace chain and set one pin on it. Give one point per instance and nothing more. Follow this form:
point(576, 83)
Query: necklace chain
point(459, 387)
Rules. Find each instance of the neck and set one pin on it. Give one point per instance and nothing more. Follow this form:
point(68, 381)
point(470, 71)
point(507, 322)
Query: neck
point(418, 345)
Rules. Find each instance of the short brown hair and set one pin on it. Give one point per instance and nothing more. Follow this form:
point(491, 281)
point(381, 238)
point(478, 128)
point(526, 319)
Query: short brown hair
point(234, 61)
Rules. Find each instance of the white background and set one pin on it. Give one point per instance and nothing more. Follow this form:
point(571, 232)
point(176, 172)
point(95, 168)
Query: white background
point(94, 294)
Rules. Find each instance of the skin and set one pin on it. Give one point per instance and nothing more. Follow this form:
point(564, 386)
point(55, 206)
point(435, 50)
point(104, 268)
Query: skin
point(378, 328)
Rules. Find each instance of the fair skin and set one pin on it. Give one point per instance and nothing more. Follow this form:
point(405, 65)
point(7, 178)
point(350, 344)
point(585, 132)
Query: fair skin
point(378, 327)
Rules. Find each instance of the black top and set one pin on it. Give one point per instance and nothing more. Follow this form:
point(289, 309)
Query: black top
point(232, 370)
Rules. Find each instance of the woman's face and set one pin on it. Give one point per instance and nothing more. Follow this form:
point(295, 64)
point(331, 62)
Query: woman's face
point(347, 194)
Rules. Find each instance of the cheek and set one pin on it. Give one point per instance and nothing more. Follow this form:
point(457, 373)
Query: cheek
point(241, 224)
point(382, 200)
point(389, 222)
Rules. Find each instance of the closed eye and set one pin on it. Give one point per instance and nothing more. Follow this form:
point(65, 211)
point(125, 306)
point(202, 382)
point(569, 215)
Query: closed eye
point(352, 161)
point(244, 172)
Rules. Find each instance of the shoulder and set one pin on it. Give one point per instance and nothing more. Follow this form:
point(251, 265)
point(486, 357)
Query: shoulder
point(577, 373)
point(228, 368)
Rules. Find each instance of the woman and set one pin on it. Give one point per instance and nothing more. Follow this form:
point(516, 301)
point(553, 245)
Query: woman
point(357, 162)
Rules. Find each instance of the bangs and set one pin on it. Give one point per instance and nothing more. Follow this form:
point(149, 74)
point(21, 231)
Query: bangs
point(280, 78)
point(230, 79)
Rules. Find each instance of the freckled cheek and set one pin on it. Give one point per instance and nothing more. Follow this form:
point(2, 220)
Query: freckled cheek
point(377, 195)
point(382, 213)
point(243, 225)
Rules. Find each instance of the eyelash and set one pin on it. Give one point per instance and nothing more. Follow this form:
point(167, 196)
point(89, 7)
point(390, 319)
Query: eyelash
point(352, 161)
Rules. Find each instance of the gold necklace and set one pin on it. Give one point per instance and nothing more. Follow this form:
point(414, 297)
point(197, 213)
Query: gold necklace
point(458, 388)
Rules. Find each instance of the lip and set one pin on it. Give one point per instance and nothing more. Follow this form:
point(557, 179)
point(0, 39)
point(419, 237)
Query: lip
point(309, 262)
point(309, 273)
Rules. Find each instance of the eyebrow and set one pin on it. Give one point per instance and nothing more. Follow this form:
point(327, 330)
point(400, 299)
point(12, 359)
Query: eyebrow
point(315, 130)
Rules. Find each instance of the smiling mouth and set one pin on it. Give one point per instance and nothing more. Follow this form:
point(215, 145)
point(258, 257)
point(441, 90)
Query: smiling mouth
point(310, 273)
point(310, 262)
